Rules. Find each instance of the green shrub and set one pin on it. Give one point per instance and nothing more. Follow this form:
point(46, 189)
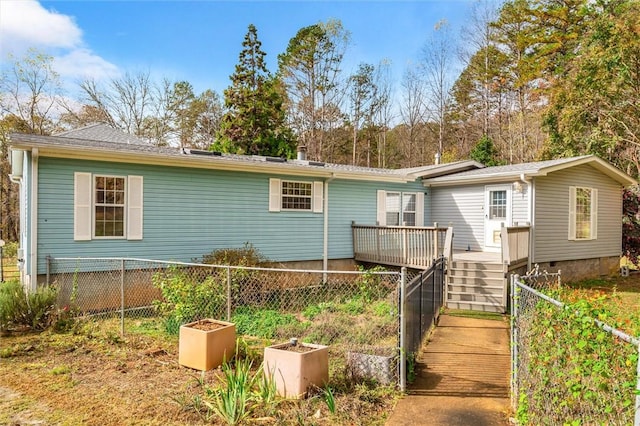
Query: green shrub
point(186, 300)
point(36, 310)
point(248, 255)
point(10, 249)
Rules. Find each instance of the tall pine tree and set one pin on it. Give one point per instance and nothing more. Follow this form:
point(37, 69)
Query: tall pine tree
point(254, 123)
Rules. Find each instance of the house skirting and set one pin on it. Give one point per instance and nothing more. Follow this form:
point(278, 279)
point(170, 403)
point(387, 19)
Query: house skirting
point(575, 270)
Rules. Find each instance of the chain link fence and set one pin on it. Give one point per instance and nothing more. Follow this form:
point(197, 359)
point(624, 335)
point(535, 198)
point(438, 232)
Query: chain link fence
point(568, 367)
point(356, 313)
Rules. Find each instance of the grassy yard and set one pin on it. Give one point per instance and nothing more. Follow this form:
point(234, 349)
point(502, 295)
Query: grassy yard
point(618, 295)
point(92, 375)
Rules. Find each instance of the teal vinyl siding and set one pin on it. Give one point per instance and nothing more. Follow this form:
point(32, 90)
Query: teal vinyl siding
point(357, 201)
point(192, 212)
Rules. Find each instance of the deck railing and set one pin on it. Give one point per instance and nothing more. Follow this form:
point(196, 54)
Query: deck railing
point(409, 246)
point(515, 244)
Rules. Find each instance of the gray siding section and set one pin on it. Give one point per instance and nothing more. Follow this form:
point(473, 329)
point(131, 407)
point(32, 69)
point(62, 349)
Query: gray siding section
point(462, 207)
point(520, 205)
point(552, 216)
point(192, 212)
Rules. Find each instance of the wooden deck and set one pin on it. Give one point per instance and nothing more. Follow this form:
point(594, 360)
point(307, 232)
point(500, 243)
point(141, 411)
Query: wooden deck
point(477, 256)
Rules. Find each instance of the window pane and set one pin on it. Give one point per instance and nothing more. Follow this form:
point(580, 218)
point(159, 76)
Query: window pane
point(583, 213)
point(393, 219)
point(408, 202)
point(296, 195)
point(408, 219)
point(498, 205)
point(393, 202)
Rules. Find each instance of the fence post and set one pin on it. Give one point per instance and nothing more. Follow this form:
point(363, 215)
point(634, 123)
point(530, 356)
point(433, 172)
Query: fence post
point(403, 329)
point(636, 421)
point(514, 343)
point(228, 293)
point(122, 297)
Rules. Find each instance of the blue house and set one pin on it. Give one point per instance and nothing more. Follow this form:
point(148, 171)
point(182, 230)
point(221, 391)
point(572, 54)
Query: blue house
point(98, 192)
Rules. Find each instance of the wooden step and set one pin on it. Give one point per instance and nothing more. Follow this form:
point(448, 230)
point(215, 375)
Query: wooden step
point(476, 273)
point(475, 306)
point(476, 265)
point(474, 288)
point(480, 281)
point(492, 299)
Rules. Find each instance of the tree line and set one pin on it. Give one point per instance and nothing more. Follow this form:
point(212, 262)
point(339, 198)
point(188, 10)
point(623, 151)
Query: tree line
point(540, 79)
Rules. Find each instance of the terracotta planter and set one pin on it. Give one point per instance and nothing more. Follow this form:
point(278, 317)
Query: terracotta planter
point(296, 367)
point(205, 344)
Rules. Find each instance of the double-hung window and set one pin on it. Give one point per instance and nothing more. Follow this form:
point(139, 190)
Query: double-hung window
point(107, 207)
point(290, 195)
point(400, 208)
point(583, 213)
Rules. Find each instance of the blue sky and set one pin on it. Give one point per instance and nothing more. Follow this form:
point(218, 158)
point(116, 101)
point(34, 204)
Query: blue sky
point(199, 41)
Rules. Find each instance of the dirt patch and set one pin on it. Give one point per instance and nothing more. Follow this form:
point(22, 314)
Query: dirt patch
point(207, 325)
point(97, 377)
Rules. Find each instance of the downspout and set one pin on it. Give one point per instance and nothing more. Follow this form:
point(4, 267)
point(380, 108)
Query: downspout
point(325, 229)
point(530, 216)
point(33, 255)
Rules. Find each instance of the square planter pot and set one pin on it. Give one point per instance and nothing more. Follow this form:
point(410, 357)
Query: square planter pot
point(379, 366)
point(296, 367)
point(205, 344)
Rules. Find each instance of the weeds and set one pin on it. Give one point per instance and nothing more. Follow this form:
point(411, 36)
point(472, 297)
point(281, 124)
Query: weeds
point(18, 308)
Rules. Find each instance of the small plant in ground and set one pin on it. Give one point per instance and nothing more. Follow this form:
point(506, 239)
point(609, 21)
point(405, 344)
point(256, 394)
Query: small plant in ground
point(18, 308)
point(231, 399)
point(241, 394)
point(329, 399)
point(371, 285)
point(185, 299)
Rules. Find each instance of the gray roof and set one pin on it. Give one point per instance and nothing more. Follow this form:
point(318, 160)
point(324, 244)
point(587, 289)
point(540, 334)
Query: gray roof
point(538, 168)
point(102, 132)
point(102, 142)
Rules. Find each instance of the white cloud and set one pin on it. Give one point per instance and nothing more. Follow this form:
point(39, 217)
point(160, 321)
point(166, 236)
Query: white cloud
point(82, 63)
point(27, 22)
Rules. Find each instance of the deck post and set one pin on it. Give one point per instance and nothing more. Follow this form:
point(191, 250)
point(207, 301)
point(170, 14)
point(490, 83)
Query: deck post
point(403, 329)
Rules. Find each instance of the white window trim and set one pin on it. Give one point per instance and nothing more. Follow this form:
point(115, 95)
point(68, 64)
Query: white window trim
point(593, 234)
point(94, 204)
point(275, 196)
point(84, 207)
point(381, 215)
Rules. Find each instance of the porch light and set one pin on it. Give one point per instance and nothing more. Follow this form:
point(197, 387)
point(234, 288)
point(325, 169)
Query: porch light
point(517, 187)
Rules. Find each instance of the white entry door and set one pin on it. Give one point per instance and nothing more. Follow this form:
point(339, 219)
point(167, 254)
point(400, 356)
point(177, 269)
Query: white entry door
point(497, 211)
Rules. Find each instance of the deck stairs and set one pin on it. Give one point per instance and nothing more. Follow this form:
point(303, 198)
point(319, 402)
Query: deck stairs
point(477, 286)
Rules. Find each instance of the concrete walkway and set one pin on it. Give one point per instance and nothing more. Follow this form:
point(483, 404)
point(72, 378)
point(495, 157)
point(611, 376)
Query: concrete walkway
point(462, 376)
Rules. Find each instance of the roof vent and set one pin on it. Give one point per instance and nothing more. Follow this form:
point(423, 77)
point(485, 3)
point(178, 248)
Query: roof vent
point(302, 152)
point(275, 159)
point(200, 152)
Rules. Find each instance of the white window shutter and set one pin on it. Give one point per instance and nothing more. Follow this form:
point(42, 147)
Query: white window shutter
point(382, 208)
point(275, 192)
point(318, 197)
point(594, 214)
point(82, 196)
point(135, 208)
point(419, 208)
point(572, 212)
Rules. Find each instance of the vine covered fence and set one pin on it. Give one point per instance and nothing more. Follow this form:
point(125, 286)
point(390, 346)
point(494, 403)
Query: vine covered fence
point(568, 365)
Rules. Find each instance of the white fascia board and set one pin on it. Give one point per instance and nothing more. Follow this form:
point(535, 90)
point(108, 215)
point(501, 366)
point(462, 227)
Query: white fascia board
point(476, 179)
